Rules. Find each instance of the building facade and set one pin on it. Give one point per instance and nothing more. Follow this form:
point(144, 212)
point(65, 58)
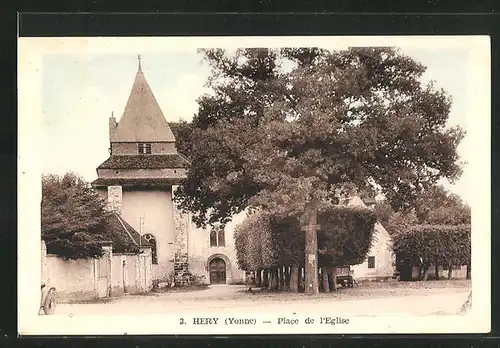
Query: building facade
point(380, 261)
point(139, 181)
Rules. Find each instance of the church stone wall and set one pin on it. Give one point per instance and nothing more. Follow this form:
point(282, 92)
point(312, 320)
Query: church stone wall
point(200, 252)
point(150, 211)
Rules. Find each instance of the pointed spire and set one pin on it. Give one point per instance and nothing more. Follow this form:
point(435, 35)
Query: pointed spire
point(142, 119)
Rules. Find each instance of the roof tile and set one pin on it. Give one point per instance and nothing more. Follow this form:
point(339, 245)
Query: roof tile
point(101, 182)
point(144, 162)
point(142, 119)
point(124, 239)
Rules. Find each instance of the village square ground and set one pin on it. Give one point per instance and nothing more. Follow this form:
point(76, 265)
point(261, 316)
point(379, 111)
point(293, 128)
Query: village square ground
point(370, 299)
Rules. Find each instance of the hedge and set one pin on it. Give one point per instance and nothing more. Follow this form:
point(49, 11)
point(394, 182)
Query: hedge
point(263, 241)
point(437, 244)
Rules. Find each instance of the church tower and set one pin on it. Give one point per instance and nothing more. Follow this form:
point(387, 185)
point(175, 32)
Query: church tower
point(140, 175)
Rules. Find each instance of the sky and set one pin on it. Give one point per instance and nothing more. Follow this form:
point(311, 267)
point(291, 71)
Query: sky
point(81, 91)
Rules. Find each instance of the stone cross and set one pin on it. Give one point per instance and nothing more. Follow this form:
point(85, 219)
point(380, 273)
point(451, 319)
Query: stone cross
point(311, 250)
point(311, 228)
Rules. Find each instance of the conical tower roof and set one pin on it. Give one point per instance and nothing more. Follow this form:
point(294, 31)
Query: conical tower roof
point(142, 120)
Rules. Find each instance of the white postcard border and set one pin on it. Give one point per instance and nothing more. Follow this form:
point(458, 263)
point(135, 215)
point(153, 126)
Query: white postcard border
point(31, 51)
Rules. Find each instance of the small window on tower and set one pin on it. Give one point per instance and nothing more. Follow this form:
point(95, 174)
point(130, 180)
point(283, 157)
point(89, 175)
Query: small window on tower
point(144, 148)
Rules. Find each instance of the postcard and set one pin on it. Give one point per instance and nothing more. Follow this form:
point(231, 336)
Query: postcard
point(254, 185)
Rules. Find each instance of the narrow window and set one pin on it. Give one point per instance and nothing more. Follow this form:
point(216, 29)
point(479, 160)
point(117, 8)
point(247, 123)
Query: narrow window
point(221, 240)
point(217, 236)
point(144, 148)
point(371, 261)
point(213, 238)
point(152, 241)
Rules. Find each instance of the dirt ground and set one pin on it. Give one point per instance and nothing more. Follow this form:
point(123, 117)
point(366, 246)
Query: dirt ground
point(369, 299)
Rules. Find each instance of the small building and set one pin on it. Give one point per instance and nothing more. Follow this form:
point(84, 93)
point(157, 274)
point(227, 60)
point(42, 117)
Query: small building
point(379, 263)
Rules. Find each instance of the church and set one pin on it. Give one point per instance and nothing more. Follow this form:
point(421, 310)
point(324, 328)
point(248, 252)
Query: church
point(139, 180)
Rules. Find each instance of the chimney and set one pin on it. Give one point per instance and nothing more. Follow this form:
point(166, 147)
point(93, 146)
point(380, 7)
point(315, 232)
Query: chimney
point(112, 127)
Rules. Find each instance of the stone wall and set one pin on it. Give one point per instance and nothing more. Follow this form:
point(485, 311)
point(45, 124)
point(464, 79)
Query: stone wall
point(132, 273)
point(89, 279)
point(73, 279)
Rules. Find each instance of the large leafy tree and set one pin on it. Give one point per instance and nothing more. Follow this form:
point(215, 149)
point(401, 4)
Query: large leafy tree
point(73, 217)
point(439, 206)
point(285, 130)
point(273, 136)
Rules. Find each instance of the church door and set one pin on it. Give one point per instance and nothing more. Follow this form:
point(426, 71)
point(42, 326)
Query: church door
point(217, 271)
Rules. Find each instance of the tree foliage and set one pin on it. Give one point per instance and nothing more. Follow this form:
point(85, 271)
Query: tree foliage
point(267, 241)
point(282, 128)
point(346, 234)
point(73, 217)
point(436, 244)
point(436, 206)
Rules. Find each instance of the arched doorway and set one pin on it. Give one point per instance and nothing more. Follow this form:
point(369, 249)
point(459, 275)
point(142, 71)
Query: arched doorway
point(217, 270)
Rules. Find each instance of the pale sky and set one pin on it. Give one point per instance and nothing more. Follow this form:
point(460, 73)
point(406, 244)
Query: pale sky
point(80, 91)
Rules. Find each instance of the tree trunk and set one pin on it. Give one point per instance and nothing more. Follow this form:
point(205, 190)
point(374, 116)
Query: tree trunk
point(421, 272)
point(300, 278)
point(436, 270)
point(450, 270)
point(258, 278)
point(326, 285)
point(274, 280)
point(468, 274)
point(311, 252)
point(287, 278)
point(294, 279)
point(333, 274)
point(265, 278)
point(281, 278)
point(426, 273)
